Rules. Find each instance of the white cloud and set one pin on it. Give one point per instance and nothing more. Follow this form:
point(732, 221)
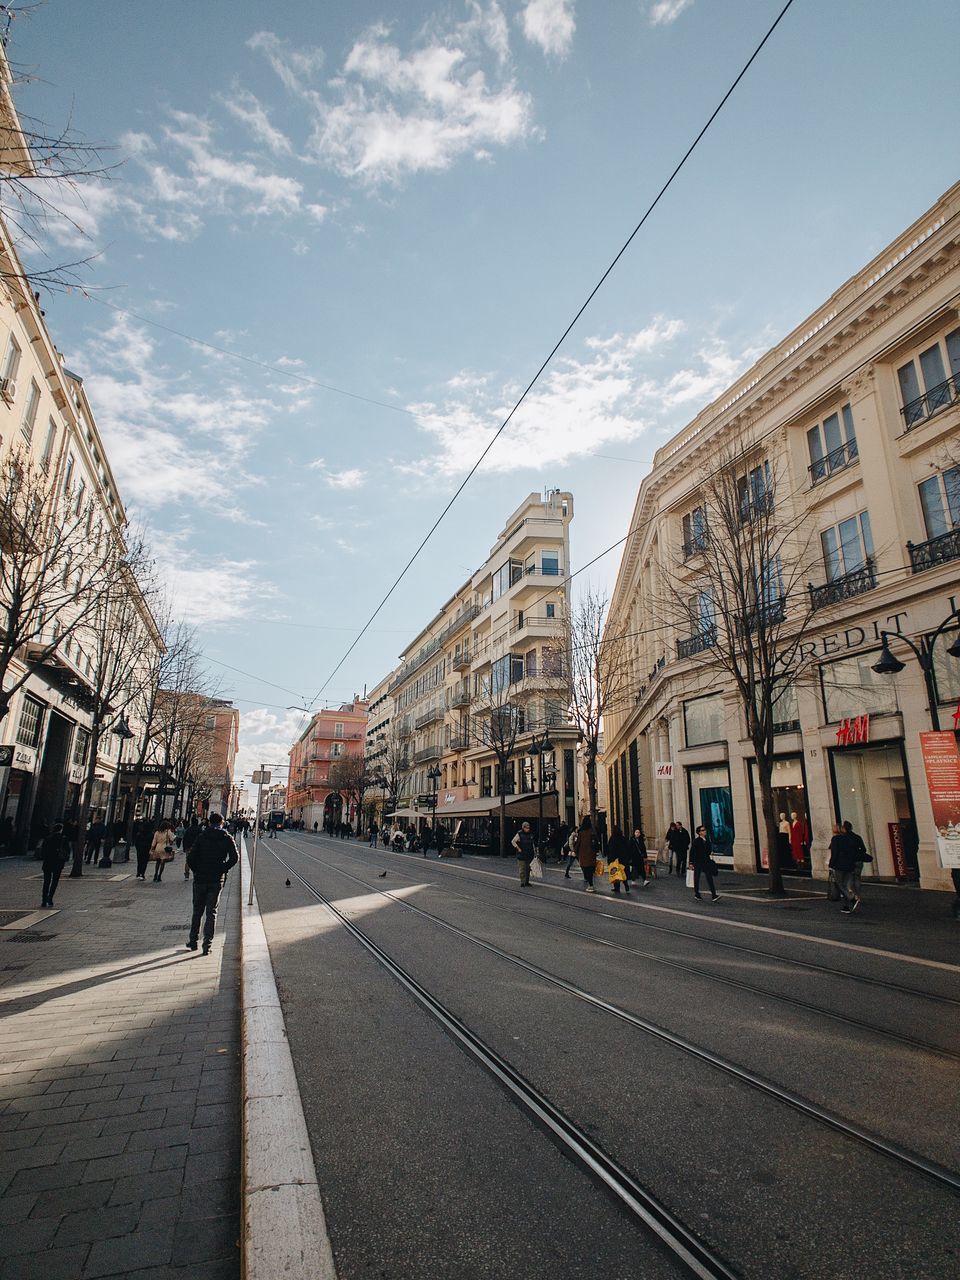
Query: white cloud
point(613, 395)
point(249, 110)
point(349, 478)
point(265, 738)
point(205, 590)
point(549, 24)
point(663, 12)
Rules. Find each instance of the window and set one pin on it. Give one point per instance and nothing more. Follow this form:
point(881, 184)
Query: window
point(832, 445)
point(68, 473)
point(486, 784)
point(210, 723)
point(703, 719)
point(847, 547)
point(551, 610)
point(11, 364)
point(81, 491)
point(852, 688)
point(694, 532)
point(30, 412)
point(506, 576)
point(938, 388)
point(81, 747)
point(550, 564)
point(531, 661)
point(48, 445)
point(940, 500)
point(507, 670)
point(551, 661)
point(338, 729)
point(31, 718)
point(552, 712)
point(702, 612)
point(336, 751)
point(755, 492)
point(786, 716)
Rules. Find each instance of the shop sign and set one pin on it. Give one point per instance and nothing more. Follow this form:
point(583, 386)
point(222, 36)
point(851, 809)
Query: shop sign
point(76, 773)
point(853, 730)
point(24, 758)
point(900, 869)
point(6, 757)
point(663, 770)
point(941, 763)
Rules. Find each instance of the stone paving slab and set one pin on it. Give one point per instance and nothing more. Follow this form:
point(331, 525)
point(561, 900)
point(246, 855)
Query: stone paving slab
point(119, 1081)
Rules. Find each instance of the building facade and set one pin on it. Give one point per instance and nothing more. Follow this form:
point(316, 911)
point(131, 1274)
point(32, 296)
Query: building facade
point(313, 793)
point(857, 415)
point(489, 671)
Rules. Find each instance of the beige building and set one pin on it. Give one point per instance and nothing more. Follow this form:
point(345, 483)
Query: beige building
point(494, 650)
point(857, 414)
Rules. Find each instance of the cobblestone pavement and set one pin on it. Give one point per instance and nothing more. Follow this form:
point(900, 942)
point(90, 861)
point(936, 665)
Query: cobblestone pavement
point(119, 1080)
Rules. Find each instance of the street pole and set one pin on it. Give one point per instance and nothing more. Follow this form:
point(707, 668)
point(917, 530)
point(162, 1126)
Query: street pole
point(258, 776)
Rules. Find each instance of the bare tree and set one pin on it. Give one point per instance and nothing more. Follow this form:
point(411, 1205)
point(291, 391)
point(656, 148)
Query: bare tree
point(350, 776)
point(600, 680)
point(738, 595)
point(392, 765)
point(498, 718)
point(54, 571)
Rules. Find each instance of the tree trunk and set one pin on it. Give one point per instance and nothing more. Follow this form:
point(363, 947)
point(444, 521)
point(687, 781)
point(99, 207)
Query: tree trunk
point(592, 788)
point(503, 817)
point(83, 815)
point(770, 824)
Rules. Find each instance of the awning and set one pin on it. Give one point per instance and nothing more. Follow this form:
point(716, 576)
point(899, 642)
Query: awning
point(404, 813)
point(525, 806)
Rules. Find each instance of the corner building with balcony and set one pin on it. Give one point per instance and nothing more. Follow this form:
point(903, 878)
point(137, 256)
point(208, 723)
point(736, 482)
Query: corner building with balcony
point(495, 648)
point(857, 416)
point(331, 736)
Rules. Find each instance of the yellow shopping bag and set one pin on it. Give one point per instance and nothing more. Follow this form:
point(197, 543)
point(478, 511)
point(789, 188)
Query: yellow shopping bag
point(601, 868)
point(617, 871)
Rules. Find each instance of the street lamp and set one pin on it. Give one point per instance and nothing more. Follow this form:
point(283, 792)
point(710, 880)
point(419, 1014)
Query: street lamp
point(434, 776)
point(541, 747)
point(888, 664)
point(123, 732)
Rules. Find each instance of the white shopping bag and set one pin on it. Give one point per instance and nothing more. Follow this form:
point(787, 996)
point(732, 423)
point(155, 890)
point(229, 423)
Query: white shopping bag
point(689, 877)
point(536, 869)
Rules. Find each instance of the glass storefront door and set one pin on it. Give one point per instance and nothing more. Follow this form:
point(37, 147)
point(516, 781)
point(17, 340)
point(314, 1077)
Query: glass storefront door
point(793, 815)
point(711, 806)
point(872, 791)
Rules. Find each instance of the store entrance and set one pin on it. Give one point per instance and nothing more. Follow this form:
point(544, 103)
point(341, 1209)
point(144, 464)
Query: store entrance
point(872, 791)
point(794, 835)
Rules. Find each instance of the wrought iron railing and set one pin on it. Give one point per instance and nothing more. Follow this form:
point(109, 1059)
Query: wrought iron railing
point(850, 584)
point(835, 460)
point(693, 546)
point(461, 699)
point(428, 717)
point(939, 550)
point(459, 741)
point(704, 639)
point(426, 753)
point(933, 401)
point(766, 615)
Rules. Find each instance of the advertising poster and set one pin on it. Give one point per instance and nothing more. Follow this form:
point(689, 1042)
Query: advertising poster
point(941, 763)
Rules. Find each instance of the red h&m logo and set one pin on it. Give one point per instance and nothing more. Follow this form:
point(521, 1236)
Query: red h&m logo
point(855, 729)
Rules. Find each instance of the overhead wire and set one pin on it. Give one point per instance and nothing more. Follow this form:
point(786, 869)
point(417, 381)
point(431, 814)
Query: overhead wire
point(580, 311)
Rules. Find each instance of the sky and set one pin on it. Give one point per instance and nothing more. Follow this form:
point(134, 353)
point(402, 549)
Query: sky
point(335, 242)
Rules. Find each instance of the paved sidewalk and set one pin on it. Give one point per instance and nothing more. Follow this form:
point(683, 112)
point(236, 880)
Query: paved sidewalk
point(119, 1080)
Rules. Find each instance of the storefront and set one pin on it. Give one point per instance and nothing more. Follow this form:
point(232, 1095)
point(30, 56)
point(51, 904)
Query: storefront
point(790, 804)
point(711, 806)
point(871, 790)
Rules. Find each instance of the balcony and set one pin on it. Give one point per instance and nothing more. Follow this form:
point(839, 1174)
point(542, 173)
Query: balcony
point(460, 742)
point(462, 698)
point(694, 546)
point(766, 615)
point(835, 460)
point(461, 660)
point(405, 729)
point(850, 584)
point(704, 639)
point(426, 753)
point(429, 717)
point(931, 402)
point(939, 550)
point(537, 623)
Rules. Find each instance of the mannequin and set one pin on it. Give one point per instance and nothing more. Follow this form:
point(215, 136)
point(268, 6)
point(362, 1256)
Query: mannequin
point(799, 838)
point(783, 840)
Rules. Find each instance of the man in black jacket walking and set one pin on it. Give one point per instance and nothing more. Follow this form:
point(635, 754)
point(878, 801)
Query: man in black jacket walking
point(212, 855)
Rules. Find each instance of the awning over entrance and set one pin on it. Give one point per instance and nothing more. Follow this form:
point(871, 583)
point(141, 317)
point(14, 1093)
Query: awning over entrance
point(525, 806)
point(404, 813)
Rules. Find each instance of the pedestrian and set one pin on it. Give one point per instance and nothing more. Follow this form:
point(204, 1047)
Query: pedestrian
point(703, 864)
point(587, 846)
point(187, 842)
point(96, 833)
point(570, 845)
point(161, 849)
point(371, 832)
point(440, 840)
point(681, 846)
point(861, 858)
point(142, 840)
point(843, 864)
point(179, 833)
point(526, 847)
point(212, 856)
point(53, 854)
point(618, 856)
point(637, 859)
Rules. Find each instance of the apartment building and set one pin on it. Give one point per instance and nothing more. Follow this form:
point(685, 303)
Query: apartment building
point(490, 672)
point(313, 793)
point(853, 421)
point(383, 752)
point(221, 732)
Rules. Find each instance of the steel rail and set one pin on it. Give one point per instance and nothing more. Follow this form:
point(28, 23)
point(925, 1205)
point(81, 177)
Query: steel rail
point(902, 1155)
point(696, 1257)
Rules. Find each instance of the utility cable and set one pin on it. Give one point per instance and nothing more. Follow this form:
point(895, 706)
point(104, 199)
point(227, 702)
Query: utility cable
point(533, 381)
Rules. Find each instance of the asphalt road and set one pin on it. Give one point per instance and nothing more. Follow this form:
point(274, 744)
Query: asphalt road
point(428, 1169)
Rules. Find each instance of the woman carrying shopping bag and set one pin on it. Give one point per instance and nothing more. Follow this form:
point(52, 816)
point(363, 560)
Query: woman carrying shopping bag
point(587, 847)
point(161, 849)
point(702, 861)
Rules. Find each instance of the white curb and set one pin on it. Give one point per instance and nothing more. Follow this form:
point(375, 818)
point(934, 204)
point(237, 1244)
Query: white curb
point(284, 1227)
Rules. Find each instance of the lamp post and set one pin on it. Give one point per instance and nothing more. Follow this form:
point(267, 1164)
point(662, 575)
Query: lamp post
point(889, 665)
point(123, 732)
point(540, 747)
point(434, 776)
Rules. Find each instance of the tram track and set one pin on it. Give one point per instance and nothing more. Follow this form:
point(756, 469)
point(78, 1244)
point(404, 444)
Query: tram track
point(918, 1164)
point(739, 948)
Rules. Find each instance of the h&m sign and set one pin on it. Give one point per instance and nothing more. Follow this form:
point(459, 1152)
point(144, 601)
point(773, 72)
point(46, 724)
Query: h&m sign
point(663, 770)
point(853, 730)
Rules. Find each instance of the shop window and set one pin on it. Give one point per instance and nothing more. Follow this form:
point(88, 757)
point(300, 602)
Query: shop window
point(703, 720)
point(847, 546)
point(851, 687)
point(940, 501)
point(832, 445)
point(790, 806)
point(925, 385)
point(711, 804)
point(31, 718)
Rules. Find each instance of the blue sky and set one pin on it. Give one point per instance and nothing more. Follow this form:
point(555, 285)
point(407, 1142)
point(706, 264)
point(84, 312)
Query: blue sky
point(409, 202)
